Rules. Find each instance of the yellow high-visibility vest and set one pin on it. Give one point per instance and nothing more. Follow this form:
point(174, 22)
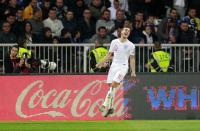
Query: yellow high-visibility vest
point(163, 59)
point(23, 51)
point(99, 53)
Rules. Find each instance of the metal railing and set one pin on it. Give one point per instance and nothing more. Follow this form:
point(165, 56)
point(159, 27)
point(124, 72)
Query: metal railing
point(74, 58)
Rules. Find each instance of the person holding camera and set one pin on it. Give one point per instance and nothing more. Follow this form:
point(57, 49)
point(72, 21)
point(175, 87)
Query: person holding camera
point(14, 64)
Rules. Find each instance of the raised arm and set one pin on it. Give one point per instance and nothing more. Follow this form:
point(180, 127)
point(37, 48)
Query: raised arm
point(105, 61)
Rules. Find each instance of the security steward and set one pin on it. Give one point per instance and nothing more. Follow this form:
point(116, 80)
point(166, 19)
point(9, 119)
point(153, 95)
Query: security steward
point(160, 60)
point(97, 55)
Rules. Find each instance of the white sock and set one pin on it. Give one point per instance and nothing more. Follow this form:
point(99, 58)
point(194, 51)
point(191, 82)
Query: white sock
point(109, 96)
point(111, 102)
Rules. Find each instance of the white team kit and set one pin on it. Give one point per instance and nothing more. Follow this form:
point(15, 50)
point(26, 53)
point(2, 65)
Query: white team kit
point(119, 66)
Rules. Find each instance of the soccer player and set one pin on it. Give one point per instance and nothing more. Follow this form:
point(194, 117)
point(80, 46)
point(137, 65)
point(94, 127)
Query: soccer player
point(120, 51)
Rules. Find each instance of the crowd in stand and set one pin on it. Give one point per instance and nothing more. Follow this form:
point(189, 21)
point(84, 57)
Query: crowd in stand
point(85, 21)
point(88, 21)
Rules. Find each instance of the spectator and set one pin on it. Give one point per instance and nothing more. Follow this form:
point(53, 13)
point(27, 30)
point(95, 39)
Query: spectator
point(36, 22)
point(191, 19)
point(56, 40)
point(180, 6)
point(139, 17)
point(113, 9)
point(19, 15)
point(53, 23)
point(6, 36)
point(28, 35)
point(14, 64)
point(79, 9)
point(122, 3)
point(148, 36)
point(18, 27)
point(86, 25)
point(194, 22)
point(28, 11)
point(185, 34)
point(96, 8)
point(153, 22)
point(138, 23)
point(66, 36)
point(11, 61)
point(45, 9)
point(77, 37)
point(69, 22)
point(11, 18)
point(61, 9)
point(97, 55)
point(167, 30)
point(46, 36)
point(101, 36)
point(120, 18)
point(106, 22)
point(12, 7)
point(187, 56)
point(195, 4)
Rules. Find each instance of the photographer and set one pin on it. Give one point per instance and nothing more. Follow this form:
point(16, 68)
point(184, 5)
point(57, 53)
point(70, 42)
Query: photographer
point(14, 64)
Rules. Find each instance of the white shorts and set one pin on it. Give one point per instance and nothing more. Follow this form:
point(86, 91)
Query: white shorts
point(117, 73)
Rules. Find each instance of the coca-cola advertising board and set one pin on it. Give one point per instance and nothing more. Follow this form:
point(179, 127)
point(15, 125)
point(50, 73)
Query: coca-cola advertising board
point(57, 97)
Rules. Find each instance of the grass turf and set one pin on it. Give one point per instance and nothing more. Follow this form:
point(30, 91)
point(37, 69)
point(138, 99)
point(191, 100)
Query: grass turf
point(128, 125)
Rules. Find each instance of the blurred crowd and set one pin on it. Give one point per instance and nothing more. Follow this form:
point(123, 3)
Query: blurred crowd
point(85, 21)
point(91, 21)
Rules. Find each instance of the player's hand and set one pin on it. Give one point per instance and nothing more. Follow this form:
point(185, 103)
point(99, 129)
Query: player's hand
point(99, 65)
point(133, 77)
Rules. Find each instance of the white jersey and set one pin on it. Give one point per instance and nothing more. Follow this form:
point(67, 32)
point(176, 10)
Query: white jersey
point(122, 51)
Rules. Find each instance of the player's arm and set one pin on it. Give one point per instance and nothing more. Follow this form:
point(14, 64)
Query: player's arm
point(106, 60)
point(132, 65)
point(108, 57)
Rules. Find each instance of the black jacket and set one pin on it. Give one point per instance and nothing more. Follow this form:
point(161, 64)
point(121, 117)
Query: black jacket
point(10, 65)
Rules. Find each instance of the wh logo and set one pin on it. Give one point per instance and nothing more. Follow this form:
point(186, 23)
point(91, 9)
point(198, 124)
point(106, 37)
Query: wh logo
point(179, 98)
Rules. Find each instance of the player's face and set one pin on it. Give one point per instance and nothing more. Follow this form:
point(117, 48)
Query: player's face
point(125, 32)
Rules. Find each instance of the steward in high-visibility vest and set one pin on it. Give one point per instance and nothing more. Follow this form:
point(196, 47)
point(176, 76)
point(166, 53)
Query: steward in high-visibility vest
point(97, 55)
point(23, 52)
point(160, 60)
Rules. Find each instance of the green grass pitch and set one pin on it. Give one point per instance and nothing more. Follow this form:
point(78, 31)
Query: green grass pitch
point(123, 125)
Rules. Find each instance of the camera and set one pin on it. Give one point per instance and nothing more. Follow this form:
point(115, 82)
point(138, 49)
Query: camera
point(36, 63)
point(45, 64)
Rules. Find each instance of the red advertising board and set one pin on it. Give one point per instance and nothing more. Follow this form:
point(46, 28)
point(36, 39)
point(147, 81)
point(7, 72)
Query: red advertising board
point(56, 97)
